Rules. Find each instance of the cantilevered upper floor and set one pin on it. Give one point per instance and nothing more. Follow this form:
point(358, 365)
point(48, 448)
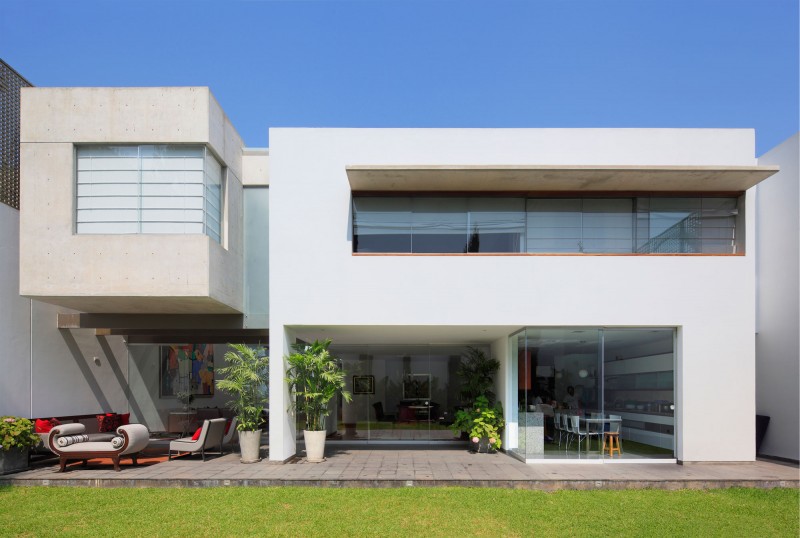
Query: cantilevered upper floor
point(131, 201)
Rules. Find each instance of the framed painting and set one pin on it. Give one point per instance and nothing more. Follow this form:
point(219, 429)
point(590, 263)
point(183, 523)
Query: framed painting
point(186, 368)
point(417, 387)
point(363, 384)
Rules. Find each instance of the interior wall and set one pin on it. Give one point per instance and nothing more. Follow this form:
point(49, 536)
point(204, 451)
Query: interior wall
point(152, 410)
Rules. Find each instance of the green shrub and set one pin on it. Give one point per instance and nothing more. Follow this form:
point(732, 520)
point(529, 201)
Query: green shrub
point(16, 432)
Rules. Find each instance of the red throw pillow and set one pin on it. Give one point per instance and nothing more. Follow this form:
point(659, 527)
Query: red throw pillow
point(55, 422)
point(108, 422)
point(43, 426)
point(196, 435)
point(227, 426)
point(125, 419)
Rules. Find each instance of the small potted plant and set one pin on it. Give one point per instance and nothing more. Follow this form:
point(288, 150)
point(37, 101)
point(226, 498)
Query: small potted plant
point(315, 377)
point(483, 424)
point(16, 439)
point(186, 398)
point(246, 380)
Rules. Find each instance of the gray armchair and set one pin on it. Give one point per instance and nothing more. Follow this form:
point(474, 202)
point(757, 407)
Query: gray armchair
point(211, 436)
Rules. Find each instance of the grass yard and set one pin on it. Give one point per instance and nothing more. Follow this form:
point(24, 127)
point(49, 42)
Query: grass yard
point(408, 512)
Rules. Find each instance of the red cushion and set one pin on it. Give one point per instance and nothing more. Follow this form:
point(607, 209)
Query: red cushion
point(227, 426)
point(108, 422)
point(196, 435)
point(125, 419)
point(55, 422)
point(43, 426)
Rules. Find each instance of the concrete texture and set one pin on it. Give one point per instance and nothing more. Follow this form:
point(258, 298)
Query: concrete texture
point(190, 274)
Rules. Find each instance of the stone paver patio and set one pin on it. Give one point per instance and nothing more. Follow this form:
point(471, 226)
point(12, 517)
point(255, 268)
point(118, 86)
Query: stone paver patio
point(363, 466)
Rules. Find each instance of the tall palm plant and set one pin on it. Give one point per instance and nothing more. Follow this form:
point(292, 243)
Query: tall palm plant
point(245, 380)
point(315, 377)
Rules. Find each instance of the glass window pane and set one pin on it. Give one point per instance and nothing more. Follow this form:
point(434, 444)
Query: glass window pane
point(554, 225)
point(439, 225)
point(496, 224)
point(178, 187)
point(381, 224)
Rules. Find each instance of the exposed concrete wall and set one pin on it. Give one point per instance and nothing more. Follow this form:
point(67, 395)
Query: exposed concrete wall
point(15, 322)
point(123, 273)
point(778, 317)
point(255, 167)
point(711, 299)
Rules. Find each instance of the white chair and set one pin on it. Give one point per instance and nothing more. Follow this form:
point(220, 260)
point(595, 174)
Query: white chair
point(210, 436)
point(575, 429)
point(566, 428)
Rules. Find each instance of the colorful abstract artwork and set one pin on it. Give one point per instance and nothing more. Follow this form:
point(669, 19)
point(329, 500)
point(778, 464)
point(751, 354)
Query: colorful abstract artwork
point(186, 368)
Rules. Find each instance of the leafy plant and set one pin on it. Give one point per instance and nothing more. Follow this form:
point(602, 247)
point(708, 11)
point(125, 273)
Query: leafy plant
point(245, 379)
point(315, 377)
point(16, 432)
point(482, 420)
point(477, 374)
point(185, 397)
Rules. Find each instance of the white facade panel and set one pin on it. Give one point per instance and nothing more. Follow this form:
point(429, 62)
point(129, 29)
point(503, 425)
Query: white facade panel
point(315, 280)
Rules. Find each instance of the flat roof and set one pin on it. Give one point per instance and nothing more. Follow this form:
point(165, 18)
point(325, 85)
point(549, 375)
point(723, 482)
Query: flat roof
point(555, 178)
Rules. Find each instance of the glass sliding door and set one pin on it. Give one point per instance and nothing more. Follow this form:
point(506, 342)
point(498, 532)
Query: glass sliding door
point(640, 389)
point(401, 393)
point(579, 387)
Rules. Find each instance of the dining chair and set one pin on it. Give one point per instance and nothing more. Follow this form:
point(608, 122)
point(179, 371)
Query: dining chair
point(578, 433)
point(557, 426)
point(566, 428)
point(615, 429)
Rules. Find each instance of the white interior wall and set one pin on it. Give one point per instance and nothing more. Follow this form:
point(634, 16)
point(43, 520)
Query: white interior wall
point(778, 314)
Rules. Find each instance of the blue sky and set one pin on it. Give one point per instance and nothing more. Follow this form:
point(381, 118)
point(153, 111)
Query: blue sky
point(434, 63)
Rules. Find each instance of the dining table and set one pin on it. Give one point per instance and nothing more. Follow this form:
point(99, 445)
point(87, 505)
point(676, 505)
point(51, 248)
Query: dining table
point(600, 421)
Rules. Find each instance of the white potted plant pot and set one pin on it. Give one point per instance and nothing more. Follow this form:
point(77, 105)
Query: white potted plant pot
point(315, 445)
point(250, 446)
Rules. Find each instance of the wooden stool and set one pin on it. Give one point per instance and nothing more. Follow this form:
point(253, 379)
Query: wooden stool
point(611, 440)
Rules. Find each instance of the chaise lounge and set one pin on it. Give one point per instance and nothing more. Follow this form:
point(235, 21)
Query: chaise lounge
point(131, 439)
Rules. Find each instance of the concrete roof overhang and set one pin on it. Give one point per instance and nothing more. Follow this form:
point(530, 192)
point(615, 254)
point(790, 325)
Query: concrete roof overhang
point(555, 178)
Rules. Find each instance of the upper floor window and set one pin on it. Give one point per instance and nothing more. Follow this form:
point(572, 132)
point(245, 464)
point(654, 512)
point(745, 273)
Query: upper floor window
point(643, 224)
point(150, 189)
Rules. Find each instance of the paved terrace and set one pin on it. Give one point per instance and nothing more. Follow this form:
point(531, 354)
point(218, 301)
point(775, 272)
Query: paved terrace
point(392, 467)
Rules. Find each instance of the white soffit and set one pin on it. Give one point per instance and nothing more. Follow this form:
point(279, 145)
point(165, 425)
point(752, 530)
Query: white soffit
point(521, 178)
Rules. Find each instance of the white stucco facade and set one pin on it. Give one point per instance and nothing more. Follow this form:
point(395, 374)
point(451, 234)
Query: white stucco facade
point(319, 287)
point(778, 291)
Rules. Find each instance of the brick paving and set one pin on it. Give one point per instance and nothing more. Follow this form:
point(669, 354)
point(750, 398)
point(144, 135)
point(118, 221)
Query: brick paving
point(369, 466)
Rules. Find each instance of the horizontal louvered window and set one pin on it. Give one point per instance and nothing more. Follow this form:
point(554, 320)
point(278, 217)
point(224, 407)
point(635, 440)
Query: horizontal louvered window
point(150, 189)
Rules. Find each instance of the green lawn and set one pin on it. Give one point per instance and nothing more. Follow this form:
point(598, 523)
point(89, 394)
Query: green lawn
point(407, 512)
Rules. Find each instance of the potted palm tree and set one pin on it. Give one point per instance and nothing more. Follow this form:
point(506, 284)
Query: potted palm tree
point(315, 377)
point(245, 379)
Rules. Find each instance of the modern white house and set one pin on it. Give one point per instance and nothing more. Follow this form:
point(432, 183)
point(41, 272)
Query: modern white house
point(611, 271)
